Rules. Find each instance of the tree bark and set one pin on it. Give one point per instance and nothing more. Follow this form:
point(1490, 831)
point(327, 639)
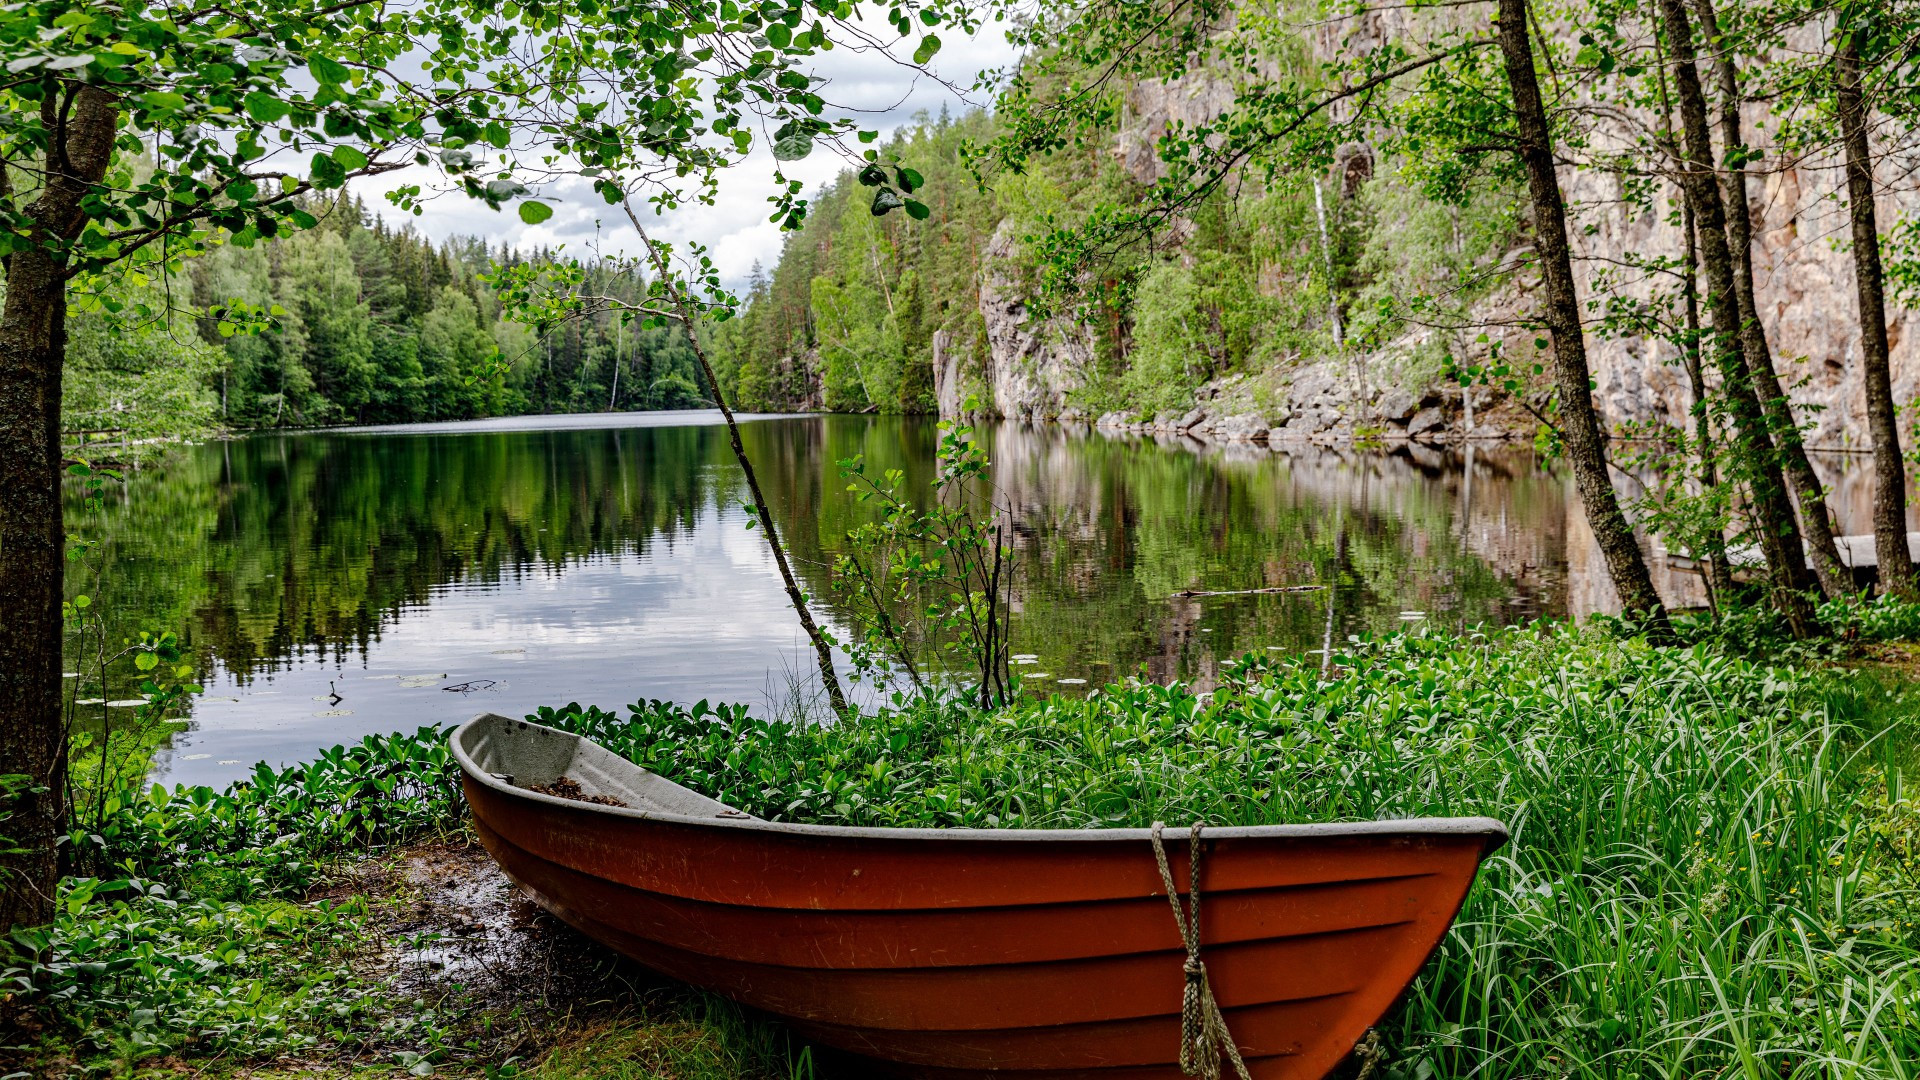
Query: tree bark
point(1719, 569)
point(1889, 469)
point(1755, 459)
point(822, 649)
point(1580, 426)
point(1835, 579)
point(33, 344)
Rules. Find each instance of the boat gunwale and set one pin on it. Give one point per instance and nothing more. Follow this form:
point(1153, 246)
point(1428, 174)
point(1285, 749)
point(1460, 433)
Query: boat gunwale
point(1493, 832)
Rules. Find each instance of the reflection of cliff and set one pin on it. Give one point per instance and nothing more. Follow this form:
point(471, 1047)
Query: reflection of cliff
point(1849, 482)
point(1389, 532)
point(1590, 587)
point(316, 544)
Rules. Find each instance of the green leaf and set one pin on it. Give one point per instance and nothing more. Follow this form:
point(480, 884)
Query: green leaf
point(885, 200)
point(928, 46)
point(266, 108)
point(869, 136)
point(327, 172)
point(164, 101)
point(909, 180)
point(533, 213)
point(328, 70)
point(349, 157)
point(146, 661)
point(793, 146)
point(779, 36)
point(917, 210)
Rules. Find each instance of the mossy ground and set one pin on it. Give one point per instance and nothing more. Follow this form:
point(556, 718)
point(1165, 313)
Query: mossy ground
point(454, 973)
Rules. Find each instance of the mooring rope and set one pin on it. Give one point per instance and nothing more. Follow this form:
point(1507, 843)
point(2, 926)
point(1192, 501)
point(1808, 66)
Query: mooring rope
point(1203, 1029)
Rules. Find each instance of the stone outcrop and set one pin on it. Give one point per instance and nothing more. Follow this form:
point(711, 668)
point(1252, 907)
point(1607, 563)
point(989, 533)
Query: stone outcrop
point(1803, 276)
point(1805, 289)
point(1032, 364)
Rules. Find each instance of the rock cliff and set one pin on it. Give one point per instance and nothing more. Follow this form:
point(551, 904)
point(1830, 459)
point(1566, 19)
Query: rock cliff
point(1802, 269)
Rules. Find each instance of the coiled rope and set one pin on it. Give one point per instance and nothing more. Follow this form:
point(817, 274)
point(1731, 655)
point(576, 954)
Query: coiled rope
point(1204, 1038)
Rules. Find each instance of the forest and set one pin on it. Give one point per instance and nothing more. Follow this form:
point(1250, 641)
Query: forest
point(297, 775)
point(353, 322)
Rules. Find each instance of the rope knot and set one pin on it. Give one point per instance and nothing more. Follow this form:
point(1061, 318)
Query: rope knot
point(1204, 1038)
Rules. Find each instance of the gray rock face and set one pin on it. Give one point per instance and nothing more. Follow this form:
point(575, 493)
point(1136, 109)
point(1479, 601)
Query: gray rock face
point(1804, 281)
point(1243, 427)
point(1804, 286)
point(1396, 403)
point(1427, 421)
point(1031, 366)
point(946, 374)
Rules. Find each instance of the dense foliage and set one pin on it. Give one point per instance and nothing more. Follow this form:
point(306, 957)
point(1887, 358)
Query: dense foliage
point(360, 322)
point(1250, 284)
point(1713, 860)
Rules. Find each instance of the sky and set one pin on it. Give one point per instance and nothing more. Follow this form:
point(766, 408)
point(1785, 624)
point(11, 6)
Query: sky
point(877, 90)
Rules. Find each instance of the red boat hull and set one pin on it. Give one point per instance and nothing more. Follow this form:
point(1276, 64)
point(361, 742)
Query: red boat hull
point(1010, 953)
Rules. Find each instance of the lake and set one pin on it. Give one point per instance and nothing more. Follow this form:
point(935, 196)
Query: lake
point(427, 573)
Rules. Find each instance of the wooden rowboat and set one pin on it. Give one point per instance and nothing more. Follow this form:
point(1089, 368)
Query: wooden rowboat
point(949, 953)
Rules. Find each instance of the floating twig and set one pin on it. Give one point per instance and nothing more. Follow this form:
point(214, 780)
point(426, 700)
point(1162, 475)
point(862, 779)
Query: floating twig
point(1184, 593)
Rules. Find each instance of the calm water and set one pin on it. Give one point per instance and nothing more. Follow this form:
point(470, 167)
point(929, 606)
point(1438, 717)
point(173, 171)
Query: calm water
point(428, 573)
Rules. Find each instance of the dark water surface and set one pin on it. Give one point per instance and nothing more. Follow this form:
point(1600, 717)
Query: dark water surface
point(431, 572)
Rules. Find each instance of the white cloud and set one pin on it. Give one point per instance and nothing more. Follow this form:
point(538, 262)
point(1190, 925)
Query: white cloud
point(871, 85)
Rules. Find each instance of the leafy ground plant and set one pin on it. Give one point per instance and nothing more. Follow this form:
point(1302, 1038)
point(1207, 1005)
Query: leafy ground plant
point(1713, 868)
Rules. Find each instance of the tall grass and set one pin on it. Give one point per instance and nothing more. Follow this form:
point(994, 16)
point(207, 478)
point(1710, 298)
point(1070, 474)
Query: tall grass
point(1712, 863)
point(1713, 869)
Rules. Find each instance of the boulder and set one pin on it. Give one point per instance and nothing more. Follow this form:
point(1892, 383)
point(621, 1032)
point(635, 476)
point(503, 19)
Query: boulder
point(1426, 422)
point(1395, 403)
point(1241, 427)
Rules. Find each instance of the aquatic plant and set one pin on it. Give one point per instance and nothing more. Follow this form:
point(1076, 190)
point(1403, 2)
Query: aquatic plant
point(1713, 868)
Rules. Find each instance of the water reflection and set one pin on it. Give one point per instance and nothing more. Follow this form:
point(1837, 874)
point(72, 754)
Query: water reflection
point(557, 562)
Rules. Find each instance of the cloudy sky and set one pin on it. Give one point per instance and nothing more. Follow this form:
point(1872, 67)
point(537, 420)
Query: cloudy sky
point(879, 91)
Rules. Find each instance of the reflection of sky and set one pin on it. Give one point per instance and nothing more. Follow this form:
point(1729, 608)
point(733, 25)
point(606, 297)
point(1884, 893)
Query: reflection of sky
point(1132, 555)
point(699, 615)
point(562, 422)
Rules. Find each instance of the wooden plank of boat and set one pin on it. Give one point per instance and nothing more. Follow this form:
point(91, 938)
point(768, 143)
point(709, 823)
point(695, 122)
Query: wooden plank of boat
point(950, 953)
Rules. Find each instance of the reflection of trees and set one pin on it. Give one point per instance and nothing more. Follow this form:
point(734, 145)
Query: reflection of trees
point(262, 548)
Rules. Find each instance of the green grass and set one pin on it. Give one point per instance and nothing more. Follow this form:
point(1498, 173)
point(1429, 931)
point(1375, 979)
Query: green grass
point(1713, 869)
point(695, 1038)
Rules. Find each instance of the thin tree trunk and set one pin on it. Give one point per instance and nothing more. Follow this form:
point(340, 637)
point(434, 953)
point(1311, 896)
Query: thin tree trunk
point(1579, 424)
point(822, 649)
point(1835, 579)
point(1889, 470)
point(1778, 532)
point(33, 345)
point(1719, 569)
